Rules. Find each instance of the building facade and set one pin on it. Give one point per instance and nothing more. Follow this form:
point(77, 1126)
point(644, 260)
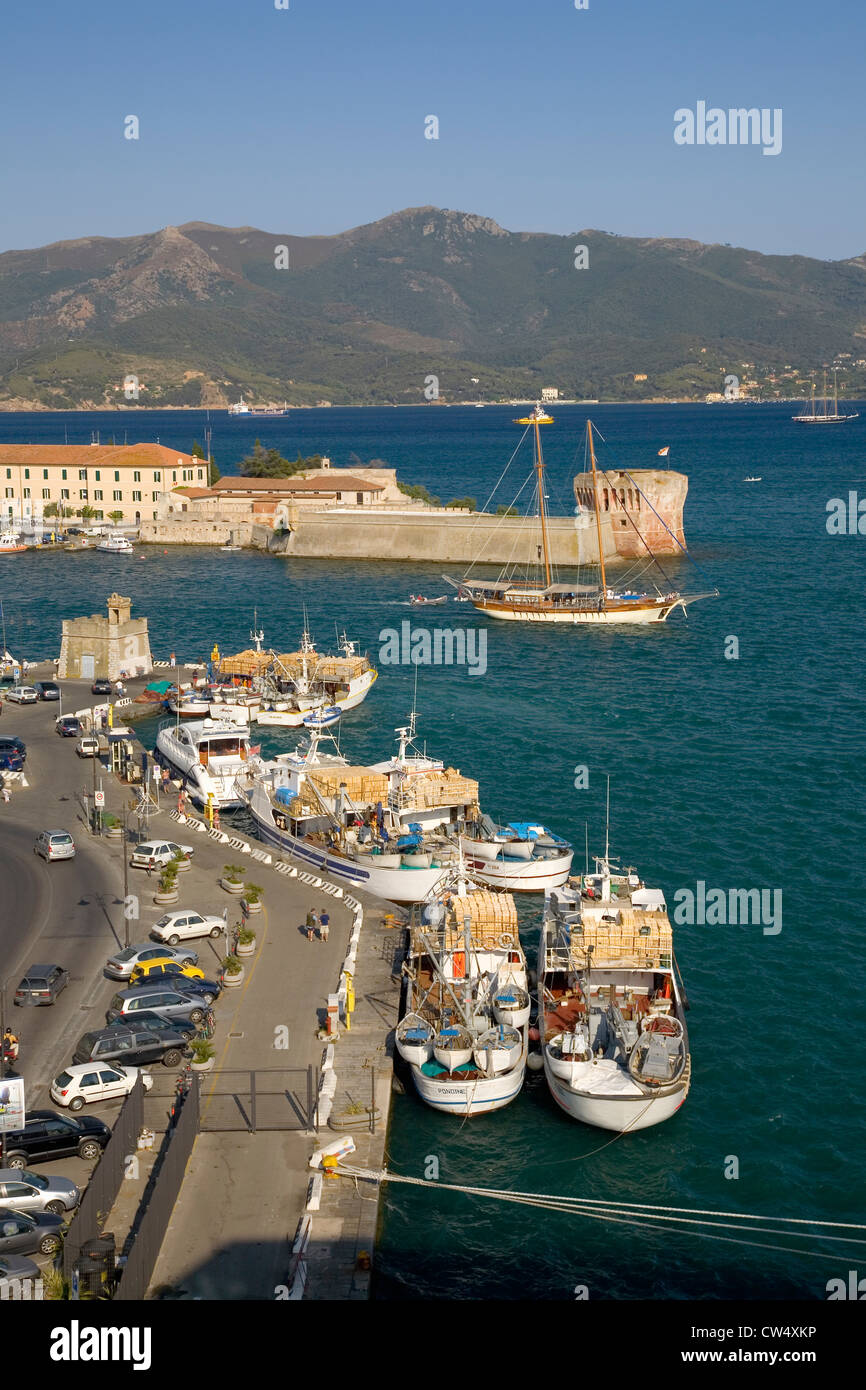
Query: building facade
point(42, 482)
point(105, 648)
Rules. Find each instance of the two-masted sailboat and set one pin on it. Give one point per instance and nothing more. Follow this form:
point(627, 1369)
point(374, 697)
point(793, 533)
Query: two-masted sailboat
point(545, 598)
point(825, 416)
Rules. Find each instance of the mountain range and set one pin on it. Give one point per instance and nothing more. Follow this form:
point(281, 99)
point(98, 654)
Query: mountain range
point(201, 314)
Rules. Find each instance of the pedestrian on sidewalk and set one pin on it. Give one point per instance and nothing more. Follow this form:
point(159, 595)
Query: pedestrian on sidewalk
point(312, 924)
point(325, 926)
point(149, 867)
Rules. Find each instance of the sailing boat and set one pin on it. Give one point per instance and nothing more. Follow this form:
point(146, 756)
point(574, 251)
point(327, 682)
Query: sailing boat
point(825, 418)
point(544, 599)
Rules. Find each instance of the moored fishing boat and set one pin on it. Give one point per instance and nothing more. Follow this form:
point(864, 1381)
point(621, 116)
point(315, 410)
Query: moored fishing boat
point(521, 857)
point(464, 960)
point(611, 1011)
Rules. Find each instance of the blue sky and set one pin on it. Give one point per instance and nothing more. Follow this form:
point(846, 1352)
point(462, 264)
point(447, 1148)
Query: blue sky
point(311, 119)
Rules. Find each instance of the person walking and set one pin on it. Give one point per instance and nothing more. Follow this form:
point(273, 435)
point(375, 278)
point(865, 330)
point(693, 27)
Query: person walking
point(324, 926)
point(311, 924)
point(149, 869)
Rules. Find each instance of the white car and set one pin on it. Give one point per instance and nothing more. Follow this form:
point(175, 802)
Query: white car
point(83, 1083)
point(87, 747)
point(182, 923)
point(23, 695)
point(158, 853)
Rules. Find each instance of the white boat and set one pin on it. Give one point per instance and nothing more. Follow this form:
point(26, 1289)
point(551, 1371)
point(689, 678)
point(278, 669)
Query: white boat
point(116, 545)
point(189, 703)
point(539, 597)
point(322, 718)
point(521, 857)
point(286, 687)
point(11, 540)
point(207, 755)
point(239, 408)
point(357, 824)
point(464, 954)
point(610, 1006)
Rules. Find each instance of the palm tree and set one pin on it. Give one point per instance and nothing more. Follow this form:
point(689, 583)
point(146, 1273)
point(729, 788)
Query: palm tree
point(115, 517)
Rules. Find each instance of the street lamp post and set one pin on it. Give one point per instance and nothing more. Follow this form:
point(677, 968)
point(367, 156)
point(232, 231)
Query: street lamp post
point(125, 874)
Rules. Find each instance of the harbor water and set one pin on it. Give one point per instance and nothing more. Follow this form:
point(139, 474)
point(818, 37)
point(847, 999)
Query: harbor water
point(737, 764)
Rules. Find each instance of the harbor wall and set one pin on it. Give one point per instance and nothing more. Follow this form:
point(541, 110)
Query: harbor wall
point(631, 507)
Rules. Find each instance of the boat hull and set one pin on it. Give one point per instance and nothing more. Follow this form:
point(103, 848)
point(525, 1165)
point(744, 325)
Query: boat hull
point(519, 875)
point(636, 614)
point(621, 1112)
point(479, 1097)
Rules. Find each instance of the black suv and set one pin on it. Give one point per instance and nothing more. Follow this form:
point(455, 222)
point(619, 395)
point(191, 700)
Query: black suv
point(132, 1047)
point(47, 1135)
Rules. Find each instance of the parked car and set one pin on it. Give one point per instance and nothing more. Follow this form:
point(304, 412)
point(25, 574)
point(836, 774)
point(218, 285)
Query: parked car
point(87, 1083)
point(180, 1023)
point(133, 1045)
point(122, 963)
point(17, 1267)
point(55, 844)
point(11, 762)
point(158, 853)
point(172, 926)
point(160, 998)
point(101, 688)
point(41, 985)
point(13, 748)
point(87, 747)
point(195, 987)
point(22, 1234)
point(22, 1190)
point(46, 1135)
point(157, 966)
point(68, 726)
point(47, 690)
point(22, 695)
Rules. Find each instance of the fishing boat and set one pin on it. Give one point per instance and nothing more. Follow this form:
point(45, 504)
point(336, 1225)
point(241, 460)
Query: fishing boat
point(464, 970)
point(753, 480)
point(360, 825)
point(521, 857)
point(540, 597)
point(207, 755)
point(611, 1009)
point(322, 718)
point(825, 416)
point(116, 545)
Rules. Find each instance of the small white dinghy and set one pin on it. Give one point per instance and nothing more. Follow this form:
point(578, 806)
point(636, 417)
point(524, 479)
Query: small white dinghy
point(498, 1049)
point(511, 1005)
point(415, 1040)
point(453, 1047)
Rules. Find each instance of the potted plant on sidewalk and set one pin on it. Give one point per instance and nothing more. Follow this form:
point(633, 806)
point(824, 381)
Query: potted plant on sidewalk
point(203, 1054)
point(253, 897)
point(168, 890)
point(246, 940)
point(233, 879)
point(112, 826)
point(181, 860)
point(233, 971)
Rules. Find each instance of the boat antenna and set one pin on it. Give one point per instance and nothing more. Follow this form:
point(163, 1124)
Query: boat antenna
point(597, 512)
point(3, 619)
point(607, 826)
point(586, 858)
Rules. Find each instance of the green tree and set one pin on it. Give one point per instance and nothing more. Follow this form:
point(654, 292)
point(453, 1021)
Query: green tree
point(470, 503)
point(115, 517)
point(199, 453)
point(507, 511)
point(87, 513)
point(51, 510)
point(268, 463)
point(420, 493)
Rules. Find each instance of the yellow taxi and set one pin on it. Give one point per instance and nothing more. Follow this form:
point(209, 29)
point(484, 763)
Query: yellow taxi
point(161, 968)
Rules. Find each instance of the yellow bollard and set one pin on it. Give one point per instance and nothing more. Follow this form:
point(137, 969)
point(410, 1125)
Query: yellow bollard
point(209, 809)
point(350, 999)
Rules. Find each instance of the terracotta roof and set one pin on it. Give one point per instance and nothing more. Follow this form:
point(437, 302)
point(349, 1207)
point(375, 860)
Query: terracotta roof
point(333, 482)
point(195, 492)
point(97, 455)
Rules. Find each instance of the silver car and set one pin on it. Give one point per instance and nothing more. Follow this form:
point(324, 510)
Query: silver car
point(21, 1190)
point(121, 965)
point(55, 844)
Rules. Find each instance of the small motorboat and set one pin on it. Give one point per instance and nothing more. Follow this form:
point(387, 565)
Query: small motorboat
point(322, 717)
point(498, 1049)
point(419, 601)
point(753, 480)
point(415, 1039)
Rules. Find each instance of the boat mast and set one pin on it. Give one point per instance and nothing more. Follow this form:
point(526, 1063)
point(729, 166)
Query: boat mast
point(825, 393)
point(539, 468)
point(597, 513)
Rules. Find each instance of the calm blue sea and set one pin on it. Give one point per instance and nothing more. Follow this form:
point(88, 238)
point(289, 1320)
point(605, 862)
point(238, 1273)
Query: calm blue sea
point(742, 773)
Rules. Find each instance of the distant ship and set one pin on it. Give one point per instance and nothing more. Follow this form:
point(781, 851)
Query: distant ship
point(816, 417)
point(241, 408)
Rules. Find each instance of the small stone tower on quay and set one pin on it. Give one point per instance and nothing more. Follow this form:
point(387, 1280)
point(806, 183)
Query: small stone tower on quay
point(105, 648)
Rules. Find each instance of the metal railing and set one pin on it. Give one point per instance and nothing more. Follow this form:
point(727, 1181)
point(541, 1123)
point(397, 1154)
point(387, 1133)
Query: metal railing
point(106, 1179)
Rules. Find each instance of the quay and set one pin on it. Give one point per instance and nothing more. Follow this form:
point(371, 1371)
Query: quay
point(277, 1091)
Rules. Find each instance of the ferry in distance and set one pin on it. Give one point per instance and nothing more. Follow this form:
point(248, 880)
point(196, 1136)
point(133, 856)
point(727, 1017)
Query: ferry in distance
point(241, 408)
